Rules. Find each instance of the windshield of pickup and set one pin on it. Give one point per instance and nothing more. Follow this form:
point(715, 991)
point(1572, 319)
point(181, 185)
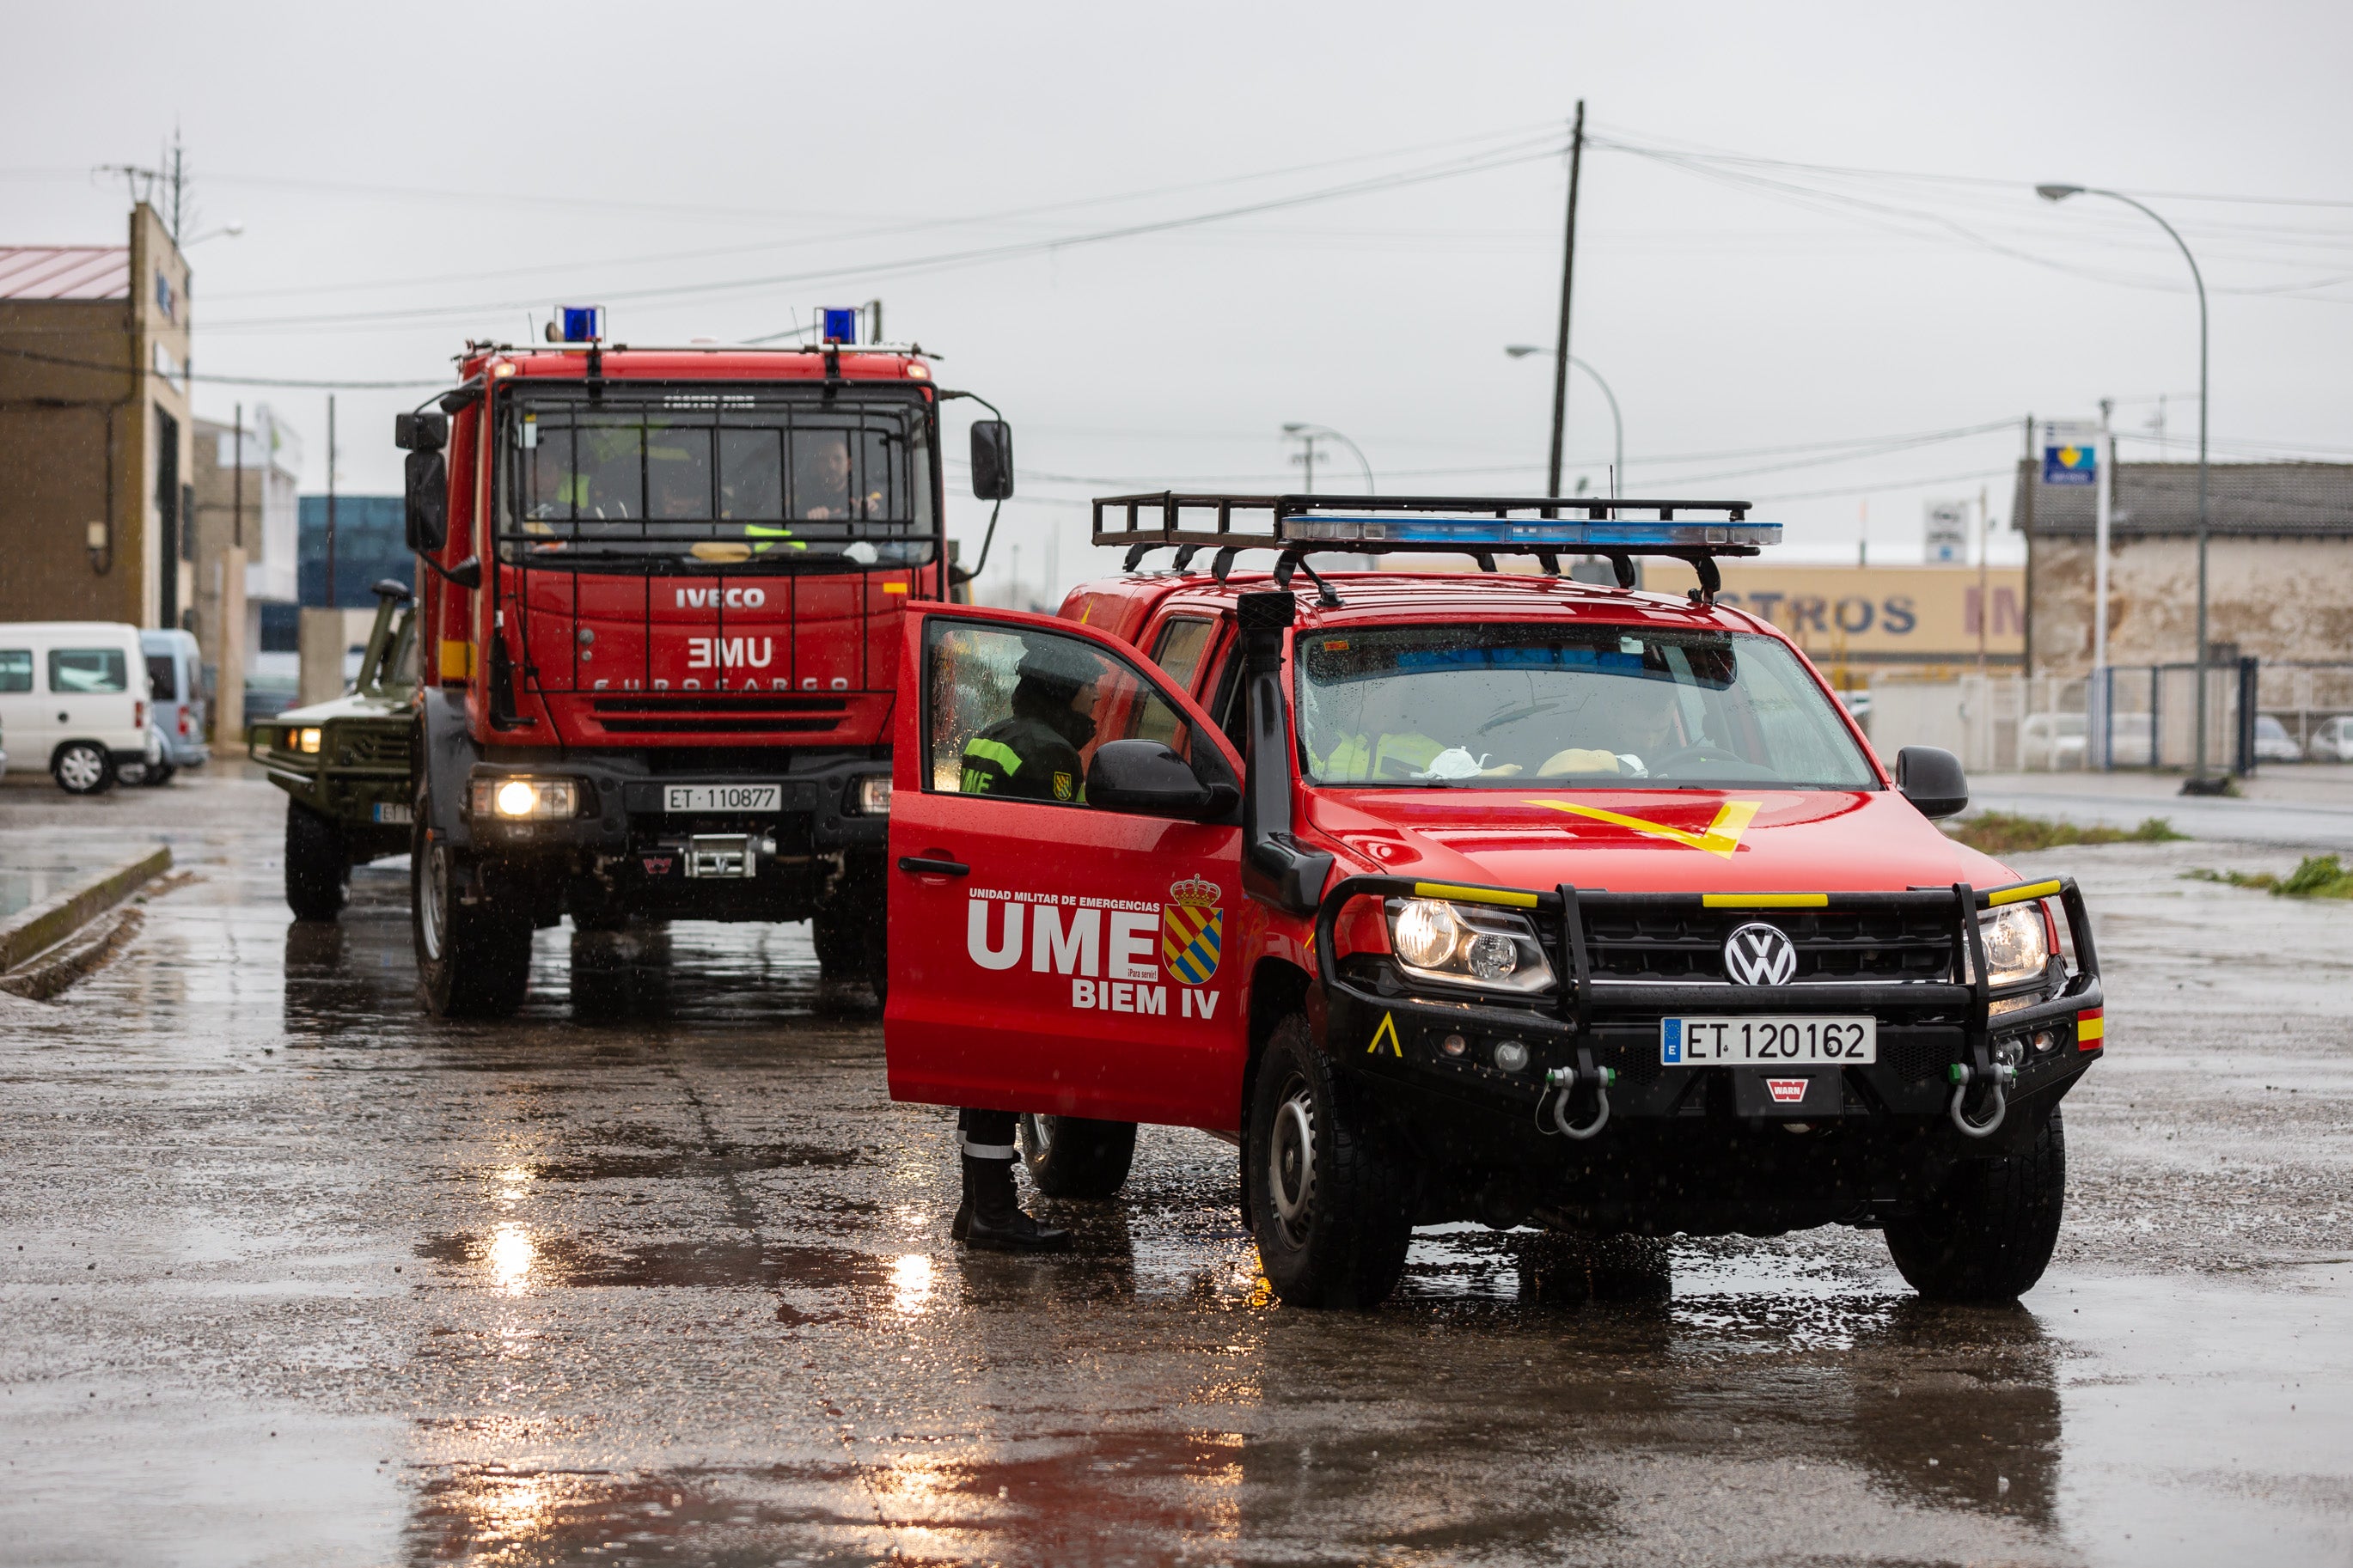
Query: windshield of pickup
point(649, 477)
point(1588, 706)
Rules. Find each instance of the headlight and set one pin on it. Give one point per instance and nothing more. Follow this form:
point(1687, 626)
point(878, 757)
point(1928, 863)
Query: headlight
point(304, 741)
point(874, 796)
point(526, 800)
point(2017, 943)
point(1468, 945)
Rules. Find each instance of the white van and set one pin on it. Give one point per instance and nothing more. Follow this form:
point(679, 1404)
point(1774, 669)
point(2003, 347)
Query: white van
point(74, 697)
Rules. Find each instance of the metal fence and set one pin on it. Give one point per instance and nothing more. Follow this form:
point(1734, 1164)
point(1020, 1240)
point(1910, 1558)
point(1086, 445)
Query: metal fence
point(2139, 716)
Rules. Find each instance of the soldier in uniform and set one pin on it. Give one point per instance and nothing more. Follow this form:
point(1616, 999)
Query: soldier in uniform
point(1032, 755)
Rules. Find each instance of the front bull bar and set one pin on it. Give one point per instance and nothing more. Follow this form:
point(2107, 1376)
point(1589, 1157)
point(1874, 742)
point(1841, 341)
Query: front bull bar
point(1576, 994)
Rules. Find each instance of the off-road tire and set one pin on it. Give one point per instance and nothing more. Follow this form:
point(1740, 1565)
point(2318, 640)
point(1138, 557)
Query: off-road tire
point(473, 961)
point(158, 774)
point(839, 940)
point(1328, 1201)
point(1987, 1235)
point(1073, 1157)
point(82, 767)
point(318, 864)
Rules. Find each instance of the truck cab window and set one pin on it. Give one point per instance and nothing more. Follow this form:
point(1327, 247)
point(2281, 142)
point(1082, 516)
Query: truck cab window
point(1018, 714)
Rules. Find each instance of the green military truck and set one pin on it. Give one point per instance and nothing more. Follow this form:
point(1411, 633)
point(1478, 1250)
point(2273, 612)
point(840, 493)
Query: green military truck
point(344, 765)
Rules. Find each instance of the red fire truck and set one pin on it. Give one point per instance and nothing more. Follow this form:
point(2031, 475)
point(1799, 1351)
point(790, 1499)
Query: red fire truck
point(663, 594)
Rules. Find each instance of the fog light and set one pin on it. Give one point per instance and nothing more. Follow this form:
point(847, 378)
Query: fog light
point(874, 796)
point(2045, 1042)
point(1511, 1056)
point(1453, 1045)
point(526, 800)
point(2010, 1050)
point(305, 740)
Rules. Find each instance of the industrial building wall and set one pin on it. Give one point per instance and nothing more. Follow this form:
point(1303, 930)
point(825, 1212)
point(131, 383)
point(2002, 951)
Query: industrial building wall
point(2276, 598)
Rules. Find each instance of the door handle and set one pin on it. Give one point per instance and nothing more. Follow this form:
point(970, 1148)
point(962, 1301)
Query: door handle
point(924, 866)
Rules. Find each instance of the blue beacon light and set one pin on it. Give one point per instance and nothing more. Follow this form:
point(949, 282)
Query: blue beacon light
point(579, 323)
point(1541, 534)
point(839, 323)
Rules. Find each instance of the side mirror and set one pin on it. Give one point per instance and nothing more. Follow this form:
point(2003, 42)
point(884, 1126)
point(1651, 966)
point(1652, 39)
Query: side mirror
point(1147, 776)
point(426, 432)
point(992, 460)
point(1931, 778)
point(428, 500)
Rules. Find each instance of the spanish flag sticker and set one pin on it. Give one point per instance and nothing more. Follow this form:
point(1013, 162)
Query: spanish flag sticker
point(2091, 1029)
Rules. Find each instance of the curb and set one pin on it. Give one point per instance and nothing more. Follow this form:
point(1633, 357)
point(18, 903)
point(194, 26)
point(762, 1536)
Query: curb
point(36, 929)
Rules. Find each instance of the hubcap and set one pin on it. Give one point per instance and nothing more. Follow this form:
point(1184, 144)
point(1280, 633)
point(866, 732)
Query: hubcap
point(1041, 1134)
point(80, 768)
point(1291, 1163)
point(437, 900)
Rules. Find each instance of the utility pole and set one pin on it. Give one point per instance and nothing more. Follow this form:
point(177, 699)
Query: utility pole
point(331, 505)
point(236, 483)
point(1568, 286)
point(2103, 506)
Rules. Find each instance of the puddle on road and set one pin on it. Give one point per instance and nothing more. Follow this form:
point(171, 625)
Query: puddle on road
point(516, 1258)
point(519, 1516)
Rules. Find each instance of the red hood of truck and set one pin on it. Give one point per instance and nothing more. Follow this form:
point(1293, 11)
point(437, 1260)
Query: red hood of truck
point(1681, 841)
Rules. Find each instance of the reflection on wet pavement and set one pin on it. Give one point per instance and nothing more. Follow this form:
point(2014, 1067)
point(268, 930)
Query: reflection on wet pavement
point(669, 1281)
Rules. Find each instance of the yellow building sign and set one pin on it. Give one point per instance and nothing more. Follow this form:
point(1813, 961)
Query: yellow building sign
point(1880, 614)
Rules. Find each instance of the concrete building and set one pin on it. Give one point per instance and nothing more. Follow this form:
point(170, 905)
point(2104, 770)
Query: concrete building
point(2279, 565)
point(95, 433)
point(245, 549)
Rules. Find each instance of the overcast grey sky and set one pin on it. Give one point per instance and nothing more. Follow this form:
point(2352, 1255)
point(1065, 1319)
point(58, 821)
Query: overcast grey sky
point(410, 175)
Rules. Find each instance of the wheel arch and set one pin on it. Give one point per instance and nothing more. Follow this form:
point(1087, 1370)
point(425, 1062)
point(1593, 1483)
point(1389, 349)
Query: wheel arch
point(1277, 989)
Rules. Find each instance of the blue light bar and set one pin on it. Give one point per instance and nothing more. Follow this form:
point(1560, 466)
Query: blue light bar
point(1503, 533)
point(579, 323)
point(841, 324)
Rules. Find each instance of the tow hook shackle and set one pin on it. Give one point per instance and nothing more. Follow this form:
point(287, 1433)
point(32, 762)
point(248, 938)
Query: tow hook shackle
point(1999, 1077)
point(1563, 1084)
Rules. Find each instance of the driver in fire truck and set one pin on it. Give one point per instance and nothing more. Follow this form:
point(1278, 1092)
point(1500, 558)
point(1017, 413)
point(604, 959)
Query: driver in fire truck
point(1033, 756)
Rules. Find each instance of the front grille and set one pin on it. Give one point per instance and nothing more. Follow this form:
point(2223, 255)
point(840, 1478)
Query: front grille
point(373, 748)
point(746, 724)
point(1657, 944)
point(749, 702)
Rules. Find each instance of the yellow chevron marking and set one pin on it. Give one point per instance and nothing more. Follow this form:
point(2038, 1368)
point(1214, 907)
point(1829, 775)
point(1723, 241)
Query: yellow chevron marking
point(1722, 837)
point(1388, 1031)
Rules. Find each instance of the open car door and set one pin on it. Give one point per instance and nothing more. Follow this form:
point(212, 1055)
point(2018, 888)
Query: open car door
point(1049, 954)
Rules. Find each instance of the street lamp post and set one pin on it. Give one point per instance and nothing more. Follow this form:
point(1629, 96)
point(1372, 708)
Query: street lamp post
point(2196, 783)
point(1617, 420)
point(1308, 435)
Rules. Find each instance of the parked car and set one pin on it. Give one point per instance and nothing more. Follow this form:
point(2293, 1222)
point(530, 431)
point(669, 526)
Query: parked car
point(2333, 741)
point(74, 694)
point(176, 724)
point(2052, 742)
point(2273, 744)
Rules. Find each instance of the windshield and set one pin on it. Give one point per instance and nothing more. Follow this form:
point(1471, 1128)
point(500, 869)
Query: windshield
point(768, 477)
point(1597, 707)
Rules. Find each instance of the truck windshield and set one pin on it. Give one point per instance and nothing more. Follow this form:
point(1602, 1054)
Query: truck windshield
point(1591, 707)
point(651, 477)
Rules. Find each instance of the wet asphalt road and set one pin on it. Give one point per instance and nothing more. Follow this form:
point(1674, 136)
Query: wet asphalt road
point(290, 1275)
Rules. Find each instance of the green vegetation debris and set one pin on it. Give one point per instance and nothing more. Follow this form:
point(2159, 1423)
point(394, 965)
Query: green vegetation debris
point(2006, 833)
point(2316, 877)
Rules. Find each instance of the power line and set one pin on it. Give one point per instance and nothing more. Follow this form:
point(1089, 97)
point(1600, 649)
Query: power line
point(227, 380)
point(1450, 169)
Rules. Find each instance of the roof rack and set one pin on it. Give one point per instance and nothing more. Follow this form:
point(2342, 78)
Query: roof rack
point(1481, 527)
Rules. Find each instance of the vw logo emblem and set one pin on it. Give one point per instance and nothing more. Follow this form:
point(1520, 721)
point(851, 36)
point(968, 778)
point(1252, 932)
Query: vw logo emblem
point(1760, 954)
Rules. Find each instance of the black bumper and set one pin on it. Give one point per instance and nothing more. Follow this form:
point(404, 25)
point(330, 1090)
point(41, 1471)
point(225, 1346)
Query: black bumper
point(1391, 1033)
point(622, 812)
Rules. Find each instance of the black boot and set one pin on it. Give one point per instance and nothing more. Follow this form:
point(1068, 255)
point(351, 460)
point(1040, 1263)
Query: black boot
point(989, 1219)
